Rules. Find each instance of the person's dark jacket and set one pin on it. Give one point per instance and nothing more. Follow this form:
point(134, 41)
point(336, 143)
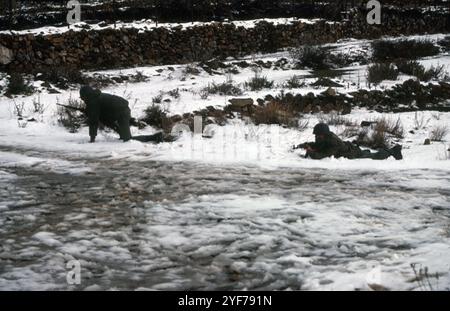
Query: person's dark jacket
point(332, 145)
point(110, 110)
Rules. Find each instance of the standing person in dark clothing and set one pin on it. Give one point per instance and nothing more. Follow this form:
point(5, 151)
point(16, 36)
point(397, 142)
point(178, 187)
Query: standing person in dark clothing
point(328, 144)
point(110, 110)
point(113, 112)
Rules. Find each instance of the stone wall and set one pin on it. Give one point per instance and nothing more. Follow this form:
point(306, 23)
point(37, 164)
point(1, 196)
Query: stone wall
point(115, 48)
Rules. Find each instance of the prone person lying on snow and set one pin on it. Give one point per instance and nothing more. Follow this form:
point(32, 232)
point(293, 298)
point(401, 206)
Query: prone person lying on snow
point(113, 112)
point(328, 144)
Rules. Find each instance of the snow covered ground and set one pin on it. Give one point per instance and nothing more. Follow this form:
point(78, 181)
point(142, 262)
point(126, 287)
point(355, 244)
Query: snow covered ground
point(239, 210)
point(175, 225)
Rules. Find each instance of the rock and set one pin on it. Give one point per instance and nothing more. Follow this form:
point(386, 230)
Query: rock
point(268, 98)
point(330, 92)
point(427, 141)
point(6, 55)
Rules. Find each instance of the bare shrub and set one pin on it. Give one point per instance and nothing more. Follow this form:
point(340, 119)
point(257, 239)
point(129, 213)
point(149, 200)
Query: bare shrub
point(62, 77)
point(394, 128)
point(204, 93)
point(157, 99)
point(72, 119)
point(38, 107)
point(294, 82)
point(414, 68)
point(379, 72)
point(175, 93)
point(157, 117)
point(191, 70)
point(384, 50)
point(334, 118)
point(379, 137)
point(139, 77)
point(419, 121)
point(350, 131)
point(258, 82)
point(226, 88)
point(439, 132)
point(314, 57)
point(17, 85)
point(19, 108)
point(434, 72)
point(445, 43)
point(275, 113)
point(409, 67)
point(302, 124)
point(424, 278)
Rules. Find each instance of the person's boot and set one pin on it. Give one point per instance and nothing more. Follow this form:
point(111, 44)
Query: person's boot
point(396, 152)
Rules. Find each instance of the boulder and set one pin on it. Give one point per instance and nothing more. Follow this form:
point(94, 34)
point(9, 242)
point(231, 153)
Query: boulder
point(329, 92)
point(6, 55)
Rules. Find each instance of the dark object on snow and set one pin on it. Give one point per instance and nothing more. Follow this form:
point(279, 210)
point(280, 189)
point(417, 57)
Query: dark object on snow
point(156, 138)
point(328, 144)
point(367, 123)
point(326, 82)
point(427, 141)
point(110, 110)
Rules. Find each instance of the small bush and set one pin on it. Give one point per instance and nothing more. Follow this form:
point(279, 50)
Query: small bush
point(394, 128)
point(38, 107)
point(435, 73)
point(258, 82)
point(191, 70)
point(139, 77)
point(414, 68)
point(419, 121)
point(439, 132)
point(225, 88)
point(157, 99)
point(294, 82)
point(175, 93)
point(409, 67)
point(17, 85)
point(204, 93)
point(19, 108)
point(374, 140)
point(335, 118)
point(314, 57)
point(156, 116)
point(379, 72)
point(386, 50)
point(445, 43)
point(72, 119)
point(382, 131)
point(62, 77)
point(274, 113)
point(344, 59)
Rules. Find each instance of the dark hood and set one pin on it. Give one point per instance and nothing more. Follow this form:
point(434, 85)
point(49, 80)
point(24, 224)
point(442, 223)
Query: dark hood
point(88, 93)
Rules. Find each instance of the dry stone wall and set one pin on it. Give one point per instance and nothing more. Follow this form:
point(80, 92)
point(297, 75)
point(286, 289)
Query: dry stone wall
point(115, 48)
